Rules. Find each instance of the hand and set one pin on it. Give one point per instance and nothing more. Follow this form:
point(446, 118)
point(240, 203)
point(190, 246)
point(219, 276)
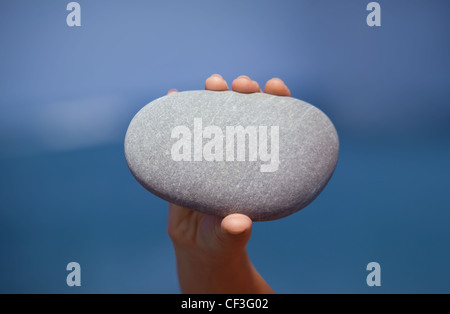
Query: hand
point(211, 252)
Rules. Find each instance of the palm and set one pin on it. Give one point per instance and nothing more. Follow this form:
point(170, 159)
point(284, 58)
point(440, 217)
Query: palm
point(193, 227)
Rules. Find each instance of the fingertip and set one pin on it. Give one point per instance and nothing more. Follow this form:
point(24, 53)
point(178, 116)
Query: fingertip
point(245, 77)
point(276, 86)
point(172, 91)
point(216, 83)
point(243, 84)
point(236, 224)
point(217, 75)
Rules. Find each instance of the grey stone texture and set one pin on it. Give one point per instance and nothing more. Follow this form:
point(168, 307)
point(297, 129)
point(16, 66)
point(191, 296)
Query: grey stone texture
point(308, 153)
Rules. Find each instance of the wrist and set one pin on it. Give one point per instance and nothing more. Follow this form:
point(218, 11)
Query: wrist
point(202, 272)
point(211, 260)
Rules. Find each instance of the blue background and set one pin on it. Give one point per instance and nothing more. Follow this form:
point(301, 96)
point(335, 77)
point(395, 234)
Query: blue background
point(68, 94)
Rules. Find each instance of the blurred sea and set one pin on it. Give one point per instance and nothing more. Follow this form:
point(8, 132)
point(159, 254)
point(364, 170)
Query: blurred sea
point(388, 202)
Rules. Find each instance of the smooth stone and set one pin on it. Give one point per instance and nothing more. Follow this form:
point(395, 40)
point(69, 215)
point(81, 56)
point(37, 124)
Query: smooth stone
point(308, 152)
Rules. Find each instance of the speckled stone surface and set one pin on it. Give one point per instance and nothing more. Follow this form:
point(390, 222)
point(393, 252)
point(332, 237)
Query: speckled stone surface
point(308, 148)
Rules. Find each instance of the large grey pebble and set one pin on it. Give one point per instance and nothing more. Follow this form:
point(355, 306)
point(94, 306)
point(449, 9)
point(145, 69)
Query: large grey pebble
point(262, 189)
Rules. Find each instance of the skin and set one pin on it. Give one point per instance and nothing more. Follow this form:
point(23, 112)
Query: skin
point(210, 251)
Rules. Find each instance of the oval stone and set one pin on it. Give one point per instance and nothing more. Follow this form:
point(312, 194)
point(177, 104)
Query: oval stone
point(219, 153)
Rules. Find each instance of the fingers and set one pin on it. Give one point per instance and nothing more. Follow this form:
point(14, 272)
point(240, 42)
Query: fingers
point(277, 87)
point(243, 84)
point(216, 83)
point(236, 229)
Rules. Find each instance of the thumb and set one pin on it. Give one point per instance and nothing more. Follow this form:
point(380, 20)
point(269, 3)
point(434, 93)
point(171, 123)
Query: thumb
point(235, 230)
